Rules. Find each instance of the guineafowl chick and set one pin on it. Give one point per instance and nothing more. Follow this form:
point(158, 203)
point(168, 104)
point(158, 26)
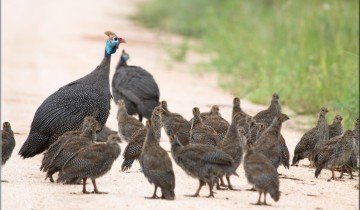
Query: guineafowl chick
point(335, 153)
point(202, 162)
point(71, 146)
point(92, 161)
point(267, 116)
point(352, 163)
point(156, 165)
point(261, 173)
point(336, 128)
point(54, 147)
point(134, 147)
point(237, 111)
point(66, 109)
point(200, 133)
point(7, 142)
point(137, 87)
point(175, 124)
point(308, 141)
point(216, 121)
point(269, 142)
point(105, 132)
point(127, 125)
point(233, 144)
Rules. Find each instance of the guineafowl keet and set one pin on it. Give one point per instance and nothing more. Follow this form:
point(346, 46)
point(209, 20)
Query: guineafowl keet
point(134, 147)
point(267, 116)
point(202, 162)
point(156, 165)
point(7, 142)
point(127, 124)
point(90, 162)
point(66, 109)
point(335, 153)
point(136, 87)
point(308, 141)
point(261, 173)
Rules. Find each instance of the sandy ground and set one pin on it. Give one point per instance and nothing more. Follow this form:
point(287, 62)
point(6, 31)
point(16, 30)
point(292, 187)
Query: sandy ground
point(46, 44)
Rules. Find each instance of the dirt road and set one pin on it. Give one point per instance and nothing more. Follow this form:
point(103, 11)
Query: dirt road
point(46, 44)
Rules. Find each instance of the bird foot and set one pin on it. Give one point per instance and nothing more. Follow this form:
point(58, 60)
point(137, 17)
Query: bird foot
point(152, 197)
point(98, 192)
point(251, 189)
point(86, 192)
point(4, 181)
point(233, 189)
point(211, 195)
point(193, 196)
point(264, 203)
point(258, 203)
point(221, 187)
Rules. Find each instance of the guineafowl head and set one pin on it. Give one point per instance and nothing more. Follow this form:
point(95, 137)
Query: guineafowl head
point(215, 109)
point(124, 56)
point(275, 97)
point(196, 112)
point(6, 125)
point(349, 134)
point(337, 119)
point(236, 102)
point(164, 105)
point(323, 111)
point(112, 44)
point(113, 138)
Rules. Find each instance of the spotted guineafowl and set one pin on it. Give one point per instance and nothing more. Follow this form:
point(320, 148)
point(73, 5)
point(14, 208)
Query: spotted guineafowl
point(66, 109)
point(127, 124)
point(134, 147)
point(233, 144)
point(54, 147)
point(103, 135)
point(309, 139)
point(261, 173)
point(217, 122)
point(7, 142)
point(136, 87)
point(269, 142)
point(201, 133)
point(203, 162)
point(336, 128)
point(70, 147)
point(335, 153)
point(267, 116)
point(156, 165)
point(175, 124)
point(90, 162)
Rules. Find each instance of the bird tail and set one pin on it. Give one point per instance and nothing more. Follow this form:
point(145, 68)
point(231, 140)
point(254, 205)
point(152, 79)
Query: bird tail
point(146, 107)
point(168, 194)
point(127, 164)
point(275, 194)
point(34, 144)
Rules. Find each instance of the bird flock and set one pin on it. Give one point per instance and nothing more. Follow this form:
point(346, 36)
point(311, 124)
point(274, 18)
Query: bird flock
point(69, 127)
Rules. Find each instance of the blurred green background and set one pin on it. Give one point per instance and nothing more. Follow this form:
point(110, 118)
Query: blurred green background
point(307, 51)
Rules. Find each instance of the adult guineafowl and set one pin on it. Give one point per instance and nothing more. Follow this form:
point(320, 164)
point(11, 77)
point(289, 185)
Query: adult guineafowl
point(136, 87)
point(66, 109)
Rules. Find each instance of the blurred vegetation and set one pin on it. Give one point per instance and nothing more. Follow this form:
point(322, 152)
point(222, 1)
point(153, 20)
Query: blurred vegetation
point(307, 51)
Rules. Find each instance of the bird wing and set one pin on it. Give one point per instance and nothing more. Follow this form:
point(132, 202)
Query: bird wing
point(65, 108)
point(217, 157)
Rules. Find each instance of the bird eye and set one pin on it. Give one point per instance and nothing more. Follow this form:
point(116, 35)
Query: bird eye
point(115, 39)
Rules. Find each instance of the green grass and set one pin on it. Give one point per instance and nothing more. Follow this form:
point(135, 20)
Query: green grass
point(307, 51)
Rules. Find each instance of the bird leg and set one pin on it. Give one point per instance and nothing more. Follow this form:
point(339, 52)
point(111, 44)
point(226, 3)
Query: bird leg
point(201, 183)
point(222, 184)
point(140, 118)
point(84, 186)
point(96, 191)
point(332, 175)
point(341, 173)
point(154, 196)
point(265, 199)
point(229, 184)
point(51, 178)
point(211, 185)
point(259, 199)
